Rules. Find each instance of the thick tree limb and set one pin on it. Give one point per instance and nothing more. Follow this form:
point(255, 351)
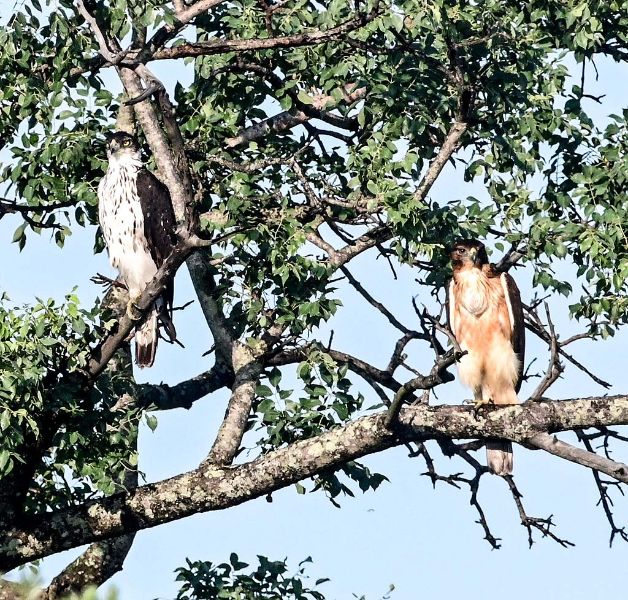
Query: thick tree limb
point(100, 562)
point(175, 173)
point(181, 395)
point(247, 371)
point(179, 187)
point(214, 488)
point(307, 38)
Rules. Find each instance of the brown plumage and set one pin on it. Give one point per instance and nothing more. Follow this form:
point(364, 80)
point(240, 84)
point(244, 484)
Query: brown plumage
point(486, 318)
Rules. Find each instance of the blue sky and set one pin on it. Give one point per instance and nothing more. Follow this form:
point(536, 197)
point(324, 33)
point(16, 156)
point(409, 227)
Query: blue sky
point(424, 542)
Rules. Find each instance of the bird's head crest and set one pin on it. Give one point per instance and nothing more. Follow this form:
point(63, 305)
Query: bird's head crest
point(120, 142)
point(468, 253)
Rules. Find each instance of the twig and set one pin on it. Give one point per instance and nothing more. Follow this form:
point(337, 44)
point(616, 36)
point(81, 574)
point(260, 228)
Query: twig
point(605, 498)
point(438, 375)
point(108, 55)
point(537, 328)
point(377, 305)
point(543, 525)
point(555, 367)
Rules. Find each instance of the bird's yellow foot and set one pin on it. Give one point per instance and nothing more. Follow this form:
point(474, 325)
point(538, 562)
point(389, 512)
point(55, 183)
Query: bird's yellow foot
point(480, 403)
point(132, 311)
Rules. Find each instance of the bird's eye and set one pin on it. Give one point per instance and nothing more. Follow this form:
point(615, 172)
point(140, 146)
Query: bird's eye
point(460, 250)
point(126, 143)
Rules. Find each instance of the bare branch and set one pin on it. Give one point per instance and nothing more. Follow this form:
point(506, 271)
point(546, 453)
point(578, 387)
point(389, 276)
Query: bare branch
point(247, 371)
point(553, 445)
point(438, 375)
point(555, 367)
point(603, 486)
point(543, 525)
point(535, 326)
point(377, 305)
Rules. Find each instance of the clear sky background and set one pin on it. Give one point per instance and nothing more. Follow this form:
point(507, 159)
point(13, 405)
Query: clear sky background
point(424, 542)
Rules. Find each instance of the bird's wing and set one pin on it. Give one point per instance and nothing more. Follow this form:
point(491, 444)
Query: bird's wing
point(160, 232)
point(517, 324)
point(159, 219)
point(451, 306)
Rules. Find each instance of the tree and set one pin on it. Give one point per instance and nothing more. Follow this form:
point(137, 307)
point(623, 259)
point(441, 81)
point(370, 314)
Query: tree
point(310, 136)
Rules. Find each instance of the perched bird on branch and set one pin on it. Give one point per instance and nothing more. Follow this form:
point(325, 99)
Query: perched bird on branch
point(138, 224)
point(486, 318)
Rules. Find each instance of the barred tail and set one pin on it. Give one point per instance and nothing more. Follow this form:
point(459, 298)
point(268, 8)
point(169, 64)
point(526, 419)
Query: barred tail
point(499, 457)
point(146, 337)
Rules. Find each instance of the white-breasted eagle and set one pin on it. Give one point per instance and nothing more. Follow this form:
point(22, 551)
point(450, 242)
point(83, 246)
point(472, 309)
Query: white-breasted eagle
point(138, 224)
point(486, 317)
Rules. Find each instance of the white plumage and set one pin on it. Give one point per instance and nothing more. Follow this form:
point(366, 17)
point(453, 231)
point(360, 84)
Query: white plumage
point(137, 222)
point(122, 221)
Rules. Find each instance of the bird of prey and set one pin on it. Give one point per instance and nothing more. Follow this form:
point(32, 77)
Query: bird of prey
point(138, 224)
point(486, 318)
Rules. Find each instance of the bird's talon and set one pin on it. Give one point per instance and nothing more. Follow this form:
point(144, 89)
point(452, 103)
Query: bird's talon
point(481, 403)
point(132, 310)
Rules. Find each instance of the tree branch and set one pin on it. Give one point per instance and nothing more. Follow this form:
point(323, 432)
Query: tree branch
point(181, 395)
point(102, 559)
point(247, 371)
point(175, 172)
point(214, 488)
point(553, 445)
point(308, 38)
point(112, 57)
point(289, 119)
point(385, 232)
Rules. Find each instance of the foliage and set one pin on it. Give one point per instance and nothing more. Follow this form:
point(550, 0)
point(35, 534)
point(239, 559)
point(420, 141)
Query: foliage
point(269, 581)
point(44, 349)
point(374, 107)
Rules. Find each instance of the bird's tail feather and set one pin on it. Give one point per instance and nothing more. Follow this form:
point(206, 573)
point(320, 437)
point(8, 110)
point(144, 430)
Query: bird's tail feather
point(499, 457)
point(146, 337)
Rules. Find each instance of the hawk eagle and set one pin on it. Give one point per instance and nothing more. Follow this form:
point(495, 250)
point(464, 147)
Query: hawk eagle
point(486, 318)
point(138, 224)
